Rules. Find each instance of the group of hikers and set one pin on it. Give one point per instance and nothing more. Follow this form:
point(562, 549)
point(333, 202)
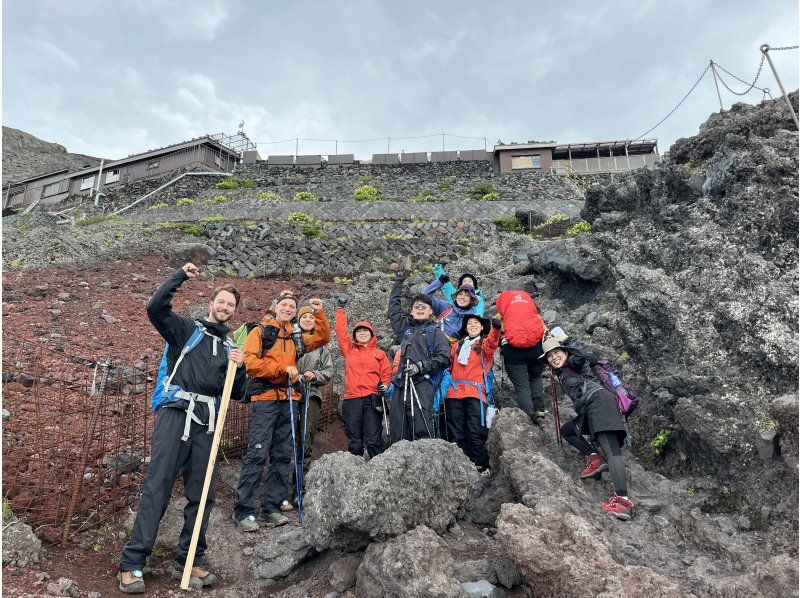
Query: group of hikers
point(439, 384)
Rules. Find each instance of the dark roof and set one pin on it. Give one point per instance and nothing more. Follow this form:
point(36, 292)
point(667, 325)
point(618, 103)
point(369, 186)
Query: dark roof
point(154, 153)
point(38, 176)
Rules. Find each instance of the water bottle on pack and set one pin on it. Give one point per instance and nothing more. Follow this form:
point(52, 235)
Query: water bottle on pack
point(615, 382)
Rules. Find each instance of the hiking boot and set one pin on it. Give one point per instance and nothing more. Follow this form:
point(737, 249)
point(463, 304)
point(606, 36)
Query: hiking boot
point(248, 524)
point(275, 518)
point(619, 506)
point(131, 582)
point(286, 506)
point(595, 466)
point(200, 578)
point(537, 417)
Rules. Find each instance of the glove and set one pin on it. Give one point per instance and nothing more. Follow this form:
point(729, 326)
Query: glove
point(444, 278)
point(413, 369)
point(382, 388)
point(496, 323)
point(438, 270)
point(342, 300)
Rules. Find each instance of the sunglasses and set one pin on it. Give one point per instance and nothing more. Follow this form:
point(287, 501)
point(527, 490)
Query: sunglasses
point(421, 306)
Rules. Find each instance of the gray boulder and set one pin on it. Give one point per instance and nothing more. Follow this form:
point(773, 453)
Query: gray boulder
point(281, 553)
point(417, 563)
point(562, 256)
point(197, 253)
point(350, 502)
point(21, 547)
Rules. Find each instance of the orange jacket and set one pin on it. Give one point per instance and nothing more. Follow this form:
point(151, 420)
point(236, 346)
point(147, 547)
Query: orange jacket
point(365, 366)
point(473, 370)
point(272, 368)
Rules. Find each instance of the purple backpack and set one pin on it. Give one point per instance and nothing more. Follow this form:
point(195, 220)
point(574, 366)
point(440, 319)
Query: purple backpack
point(624, 394)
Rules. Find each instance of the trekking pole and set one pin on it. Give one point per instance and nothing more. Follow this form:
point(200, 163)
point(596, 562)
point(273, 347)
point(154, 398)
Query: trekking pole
point(411, 397)
point(414, 396)
point(212, 458)
point(302, 484)
point(290, 393)
point(405, 398)
point(556, 416)
point(385, 413)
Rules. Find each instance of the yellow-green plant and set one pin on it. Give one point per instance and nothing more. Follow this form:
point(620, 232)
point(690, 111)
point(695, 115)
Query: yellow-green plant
point(366, 193)
point(660, 441)
point(218, 199)
point(509, 224)
point(300, 217)
point(155, 206)
point(186, 201)
point(579, 228)
point(268, 195)
point(229, 183)
point(304, 196)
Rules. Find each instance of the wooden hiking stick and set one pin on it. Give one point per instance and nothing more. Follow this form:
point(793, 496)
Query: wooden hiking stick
point(556, 416)
point(212, 458)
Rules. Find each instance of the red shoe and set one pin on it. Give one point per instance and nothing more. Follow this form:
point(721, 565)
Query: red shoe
point(595, 466)
point(619, 506)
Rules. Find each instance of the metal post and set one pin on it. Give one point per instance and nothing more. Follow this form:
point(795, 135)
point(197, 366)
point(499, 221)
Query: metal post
point(442, 141)
point(388, 144)
point(765, 51)
point(714, 72)
point(627, 157)
point(337, 148)
point(484, 144)
point(97, 184)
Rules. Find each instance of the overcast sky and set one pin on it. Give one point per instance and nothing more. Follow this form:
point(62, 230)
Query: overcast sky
point(114, 78)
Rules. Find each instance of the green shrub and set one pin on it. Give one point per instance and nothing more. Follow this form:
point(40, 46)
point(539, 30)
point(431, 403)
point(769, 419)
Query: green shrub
point(365, 179)
point(660, 441)
point(396, 237)
point(104, 217)
point(313, 230)
point(424, 195)
point(157, 206)
point(509, 224)
point(300, 217)
point(8, 514)
point(579, 229)
point(186, 201)
point(268, 195)
point(218, 199)
point(191, 229)
point(229, 183)
point(554, 219)
point(214, 219)
point(446, 185)
point(304, 196)
point(483, 190)
point(366, 193)
point(249, 184)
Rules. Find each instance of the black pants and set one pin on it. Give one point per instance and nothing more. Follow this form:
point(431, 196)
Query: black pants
point(401, 425)
point(609, 446)
point(525, 372)
point(362, 423)
point(314, 407)
point(170, 456)
point(465, 429)
point(270, 436)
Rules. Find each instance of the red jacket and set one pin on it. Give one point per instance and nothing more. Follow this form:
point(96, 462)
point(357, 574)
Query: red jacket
point(365, 366)
point(473, 371)
point(522, 325)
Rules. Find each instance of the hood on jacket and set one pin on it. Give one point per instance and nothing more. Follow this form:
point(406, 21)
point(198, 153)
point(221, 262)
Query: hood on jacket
point(216, 328)
point(365, 324)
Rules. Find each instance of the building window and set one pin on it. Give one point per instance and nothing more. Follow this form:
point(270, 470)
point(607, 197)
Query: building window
point(49, 190)
point(152, 165)
point(112, 176)
point(87, 183)
point(524, 162)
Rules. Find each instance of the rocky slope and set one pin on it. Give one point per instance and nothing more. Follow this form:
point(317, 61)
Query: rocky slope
point(25, 156)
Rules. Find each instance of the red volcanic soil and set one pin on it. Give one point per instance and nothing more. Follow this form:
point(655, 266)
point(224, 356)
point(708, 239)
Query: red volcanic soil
point(63, 309)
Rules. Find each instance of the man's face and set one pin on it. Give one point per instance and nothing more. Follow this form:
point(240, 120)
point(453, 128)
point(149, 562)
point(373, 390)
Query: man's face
point(474, 327)
point(306, 322)
point(222, 308)
point(469, 281)
point(463, 299)
point(286, 310)
point(557, 358)
point(421, 311)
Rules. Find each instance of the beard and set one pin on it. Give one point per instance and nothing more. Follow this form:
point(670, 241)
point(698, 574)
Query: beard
point(221, 317)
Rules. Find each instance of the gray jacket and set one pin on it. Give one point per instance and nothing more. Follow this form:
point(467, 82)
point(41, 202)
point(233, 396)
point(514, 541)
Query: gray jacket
point(319, 361)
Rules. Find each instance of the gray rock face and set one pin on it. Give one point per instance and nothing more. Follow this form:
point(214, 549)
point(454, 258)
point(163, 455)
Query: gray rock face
point(560, 256)
point(197, 253)
point(21, 547)
point(482, 589)
point(63, 587)
point(417, 563)
point(280, 553)
point(349, 502)
point(343, 572)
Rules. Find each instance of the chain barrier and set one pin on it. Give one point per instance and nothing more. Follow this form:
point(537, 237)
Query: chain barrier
point(750, 85)
point(678, 105)
point(783, 48)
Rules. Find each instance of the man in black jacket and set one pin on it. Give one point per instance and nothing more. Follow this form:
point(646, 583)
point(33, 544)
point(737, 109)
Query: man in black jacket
point(183, 432)
point(424, 353)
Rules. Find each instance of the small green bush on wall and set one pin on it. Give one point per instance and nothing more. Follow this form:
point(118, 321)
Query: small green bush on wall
point(304, 196)
point(366, 193)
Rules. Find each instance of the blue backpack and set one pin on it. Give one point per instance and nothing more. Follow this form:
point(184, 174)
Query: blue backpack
point(165, 391)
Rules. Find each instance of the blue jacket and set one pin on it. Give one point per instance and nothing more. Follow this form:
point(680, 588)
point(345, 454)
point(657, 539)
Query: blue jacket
point(452, 322)
point(449, 291)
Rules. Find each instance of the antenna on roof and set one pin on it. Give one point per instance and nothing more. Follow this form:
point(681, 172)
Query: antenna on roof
point(241, 127)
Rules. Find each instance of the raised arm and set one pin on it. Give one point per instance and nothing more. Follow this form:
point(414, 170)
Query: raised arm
point(398, 318)
point(175, 329)
point(345, 344)
point(322, 328)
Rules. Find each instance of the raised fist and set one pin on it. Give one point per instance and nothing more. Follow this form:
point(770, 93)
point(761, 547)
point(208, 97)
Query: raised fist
point(190, 269)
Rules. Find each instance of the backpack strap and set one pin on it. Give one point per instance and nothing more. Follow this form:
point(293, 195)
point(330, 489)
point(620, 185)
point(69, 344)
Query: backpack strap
point(194, 340)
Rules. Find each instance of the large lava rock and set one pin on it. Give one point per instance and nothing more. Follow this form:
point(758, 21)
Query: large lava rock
point(279, 554)
point(562, 555)
point(417, 563)
point(350, 502)
point(21, 547)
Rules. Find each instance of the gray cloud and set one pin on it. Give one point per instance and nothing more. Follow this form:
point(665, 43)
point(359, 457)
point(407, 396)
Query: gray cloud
point(110, 80)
